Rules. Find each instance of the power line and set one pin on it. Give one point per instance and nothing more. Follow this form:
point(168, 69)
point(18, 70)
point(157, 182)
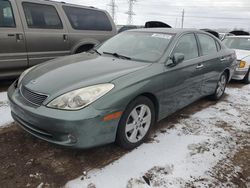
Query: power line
point(112, 9)
point(182, 18)
point(130, 11)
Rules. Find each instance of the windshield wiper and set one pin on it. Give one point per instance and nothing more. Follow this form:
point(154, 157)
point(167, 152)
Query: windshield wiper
point(95, 50)
point(117, 55)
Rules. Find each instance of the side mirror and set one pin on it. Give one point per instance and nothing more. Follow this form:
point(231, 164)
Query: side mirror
point(178, 58)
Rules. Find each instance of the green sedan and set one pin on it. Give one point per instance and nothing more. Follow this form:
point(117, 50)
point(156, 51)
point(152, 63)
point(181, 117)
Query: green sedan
point(119, 90)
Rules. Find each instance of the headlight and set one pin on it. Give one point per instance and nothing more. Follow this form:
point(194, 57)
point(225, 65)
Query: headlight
point(242, 64)
point(80, 98)
point(24, 74)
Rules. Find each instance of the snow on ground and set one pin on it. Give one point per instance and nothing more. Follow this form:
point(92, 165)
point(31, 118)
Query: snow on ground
point(182, 155)
point(5, 116)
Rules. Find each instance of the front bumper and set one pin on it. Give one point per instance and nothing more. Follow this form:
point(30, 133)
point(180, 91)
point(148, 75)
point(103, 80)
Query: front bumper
point(239, 74)
point(78, 129)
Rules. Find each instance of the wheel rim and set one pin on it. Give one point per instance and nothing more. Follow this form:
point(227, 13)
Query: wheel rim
point(221, 85)
point(138, 123)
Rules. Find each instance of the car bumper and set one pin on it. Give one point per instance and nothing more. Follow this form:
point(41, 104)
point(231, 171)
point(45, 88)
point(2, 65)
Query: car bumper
point(239, 74)
point(78, 129)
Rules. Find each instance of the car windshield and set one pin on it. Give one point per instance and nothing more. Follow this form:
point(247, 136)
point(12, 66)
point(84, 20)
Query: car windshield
point(140, 46)
point(237, 43)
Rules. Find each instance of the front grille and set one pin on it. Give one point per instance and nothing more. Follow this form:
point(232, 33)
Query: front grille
point(33, 97)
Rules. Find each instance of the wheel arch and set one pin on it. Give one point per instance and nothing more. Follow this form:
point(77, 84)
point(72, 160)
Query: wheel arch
point(81, 44)
point(227, 71)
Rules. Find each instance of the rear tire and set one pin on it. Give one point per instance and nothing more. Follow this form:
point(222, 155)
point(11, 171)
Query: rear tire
point(135, 123)
point(221, 86)
point(246, 80)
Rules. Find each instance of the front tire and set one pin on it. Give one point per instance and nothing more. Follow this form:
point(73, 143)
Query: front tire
point(246, 80)
point(135, 123)
point(221, 86)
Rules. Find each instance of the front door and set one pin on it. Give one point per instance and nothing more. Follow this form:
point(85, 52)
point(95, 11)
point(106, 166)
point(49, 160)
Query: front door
point(13, 56)
point(46, 33)
point(183, 81)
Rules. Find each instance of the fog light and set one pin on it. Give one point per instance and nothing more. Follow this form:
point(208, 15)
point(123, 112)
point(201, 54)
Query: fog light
point(242, 64)
point(72, 139)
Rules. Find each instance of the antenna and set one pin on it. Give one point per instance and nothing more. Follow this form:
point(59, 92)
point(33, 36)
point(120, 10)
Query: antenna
point(130, 11)
point(112, 9)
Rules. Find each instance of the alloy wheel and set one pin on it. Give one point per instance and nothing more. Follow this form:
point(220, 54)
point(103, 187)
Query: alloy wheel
point(138, 123)
point(221, 85)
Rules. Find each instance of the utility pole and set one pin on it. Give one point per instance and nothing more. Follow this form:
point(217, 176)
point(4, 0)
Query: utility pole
point(182, 18)
point(130, 11)
point(112, 8)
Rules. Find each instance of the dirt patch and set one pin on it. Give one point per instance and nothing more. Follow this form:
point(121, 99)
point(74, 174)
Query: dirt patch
point(27, 161)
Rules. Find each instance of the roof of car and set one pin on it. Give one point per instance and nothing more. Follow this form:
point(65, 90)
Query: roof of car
point(239, 36)
point(167, 30)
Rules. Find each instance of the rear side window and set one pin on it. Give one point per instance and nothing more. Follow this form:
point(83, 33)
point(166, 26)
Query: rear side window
point(42, 16)
point(6, 14)
point(208, 45)
point(187, 45)
point(87, 19)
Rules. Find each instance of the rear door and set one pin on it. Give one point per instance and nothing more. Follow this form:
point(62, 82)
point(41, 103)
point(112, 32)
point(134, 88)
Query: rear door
point(13, 56)
point(46, 33)
point(212, 62)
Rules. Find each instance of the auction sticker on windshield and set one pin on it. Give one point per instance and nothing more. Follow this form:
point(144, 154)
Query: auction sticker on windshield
point(164, 36)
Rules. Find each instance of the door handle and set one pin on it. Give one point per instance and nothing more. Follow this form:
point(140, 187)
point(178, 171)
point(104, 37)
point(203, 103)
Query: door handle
point(65, 37)
point(11, 35)
point(200, 66)
point(223, 59)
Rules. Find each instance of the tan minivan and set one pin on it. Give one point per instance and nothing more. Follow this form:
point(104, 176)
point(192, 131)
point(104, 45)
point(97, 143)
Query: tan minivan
point(34, 31)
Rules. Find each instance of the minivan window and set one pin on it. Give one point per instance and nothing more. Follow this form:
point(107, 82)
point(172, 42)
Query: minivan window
point(187, 45)
point(42, 16)
point(87, 19)
point(208, 45)
point(6, 14)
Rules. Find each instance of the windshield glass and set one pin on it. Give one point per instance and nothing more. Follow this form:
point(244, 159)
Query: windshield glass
point(138, 46)
point(237, 43)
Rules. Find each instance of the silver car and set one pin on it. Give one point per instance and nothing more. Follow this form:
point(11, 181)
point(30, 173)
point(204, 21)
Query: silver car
point(241, 45)
point(35, 31)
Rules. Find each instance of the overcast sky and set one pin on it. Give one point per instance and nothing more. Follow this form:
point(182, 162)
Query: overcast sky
point(198, 13)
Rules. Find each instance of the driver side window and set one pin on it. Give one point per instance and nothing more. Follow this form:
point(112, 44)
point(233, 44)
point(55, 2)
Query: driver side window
point(187, 45)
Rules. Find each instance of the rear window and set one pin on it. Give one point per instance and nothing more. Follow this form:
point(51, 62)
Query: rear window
point(6, 14)
point(87, 19)
point(42, 16)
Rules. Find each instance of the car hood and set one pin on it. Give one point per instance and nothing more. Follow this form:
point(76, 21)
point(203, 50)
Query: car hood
point(242, 54)
point(72, 72)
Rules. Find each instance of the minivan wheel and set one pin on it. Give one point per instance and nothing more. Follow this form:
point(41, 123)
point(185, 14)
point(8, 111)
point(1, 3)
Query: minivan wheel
point(135, 123)
point(221, 86)
point(246, 80)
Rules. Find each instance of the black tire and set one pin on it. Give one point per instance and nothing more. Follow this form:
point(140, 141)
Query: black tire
point(246, 80)
point(121, 137)
point(217, 95)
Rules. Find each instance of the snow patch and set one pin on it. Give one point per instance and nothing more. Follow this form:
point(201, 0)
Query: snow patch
point(181, 155)
point(5, 113)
